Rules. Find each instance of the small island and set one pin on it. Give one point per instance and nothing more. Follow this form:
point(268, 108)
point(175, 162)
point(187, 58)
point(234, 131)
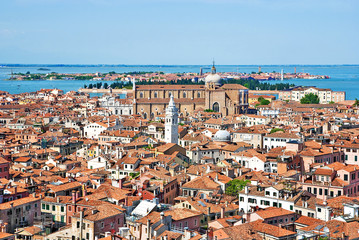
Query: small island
point(162, 77)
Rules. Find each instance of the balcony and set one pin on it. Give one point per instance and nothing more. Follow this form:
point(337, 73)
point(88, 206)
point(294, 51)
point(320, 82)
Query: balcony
point(320, 183)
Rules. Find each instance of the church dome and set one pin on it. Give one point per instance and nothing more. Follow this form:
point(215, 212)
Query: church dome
point(222, 136)
point(213, 77)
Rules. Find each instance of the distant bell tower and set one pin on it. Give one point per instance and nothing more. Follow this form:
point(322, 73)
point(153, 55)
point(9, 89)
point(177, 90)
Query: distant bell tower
point(171, 124)
point(213, 69)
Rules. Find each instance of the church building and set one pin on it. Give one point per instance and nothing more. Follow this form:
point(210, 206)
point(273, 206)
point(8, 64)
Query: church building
point(152, 100)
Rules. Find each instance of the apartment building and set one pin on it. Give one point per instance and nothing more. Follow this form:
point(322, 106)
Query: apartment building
point(325, 95)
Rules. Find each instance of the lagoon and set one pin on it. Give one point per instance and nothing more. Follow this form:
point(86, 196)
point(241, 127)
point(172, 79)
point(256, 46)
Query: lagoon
point(342, 77)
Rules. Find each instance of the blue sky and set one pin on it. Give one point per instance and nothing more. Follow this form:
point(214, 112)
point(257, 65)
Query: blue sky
point(179, 31)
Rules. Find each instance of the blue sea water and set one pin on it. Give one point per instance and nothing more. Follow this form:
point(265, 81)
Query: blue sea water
point(342, 77)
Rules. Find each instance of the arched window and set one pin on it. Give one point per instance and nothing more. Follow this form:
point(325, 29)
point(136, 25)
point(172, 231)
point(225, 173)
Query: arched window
point(184, 95)
point(145, 116)
point(141, 94)
point(156, 95)
point(215, 107)
point(199, 94)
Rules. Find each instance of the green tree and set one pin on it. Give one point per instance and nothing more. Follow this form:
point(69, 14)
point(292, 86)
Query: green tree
point(208, 110)
point(105, 85)
point(356, 103)
point(90, 86)
point(276, 130)
point(134, 174)
point(99, 85)
point(263, 101)
point(310, 98)
point(235, 186)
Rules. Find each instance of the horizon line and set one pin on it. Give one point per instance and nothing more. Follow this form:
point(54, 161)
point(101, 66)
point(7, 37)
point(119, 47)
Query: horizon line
point(167, 65)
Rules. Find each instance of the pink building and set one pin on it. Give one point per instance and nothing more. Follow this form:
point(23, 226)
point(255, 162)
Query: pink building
point(351, 152)
point(12, 193)
point(320, 154)
point(95, 222)
point(185, 218)
point(20, 213)
point(334, 180)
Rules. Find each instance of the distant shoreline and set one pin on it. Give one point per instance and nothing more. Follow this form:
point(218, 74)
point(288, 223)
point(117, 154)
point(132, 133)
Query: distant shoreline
point(170, 65)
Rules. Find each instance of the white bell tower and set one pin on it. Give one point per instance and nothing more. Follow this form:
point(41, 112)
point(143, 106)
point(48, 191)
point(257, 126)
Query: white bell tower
point(171, 124)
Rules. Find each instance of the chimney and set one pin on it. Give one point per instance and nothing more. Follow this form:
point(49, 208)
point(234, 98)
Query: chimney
point(15, 189)
point(84, 191)
point(74, 197)
point(222, 212)
point(58, 199)
point(187, 233)
point(120, 183)
point(246, 190)
point(162, 218)
point(208, 211)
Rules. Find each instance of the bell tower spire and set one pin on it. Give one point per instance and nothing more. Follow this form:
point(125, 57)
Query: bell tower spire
point(213, 68)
